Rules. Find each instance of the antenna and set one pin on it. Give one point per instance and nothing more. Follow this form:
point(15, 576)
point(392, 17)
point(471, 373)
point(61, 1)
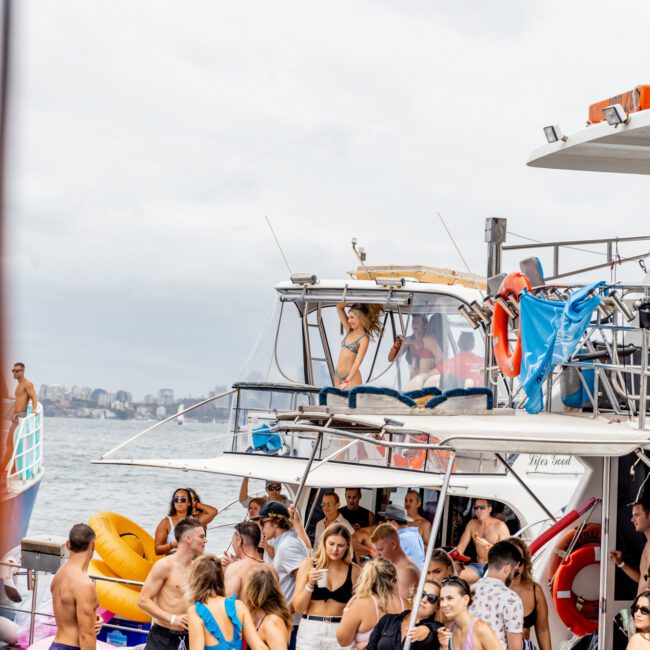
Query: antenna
point(453, 241)
point(284, 257)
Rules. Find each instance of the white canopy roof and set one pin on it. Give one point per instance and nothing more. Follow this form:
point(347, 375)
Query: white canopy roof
point(601, 148)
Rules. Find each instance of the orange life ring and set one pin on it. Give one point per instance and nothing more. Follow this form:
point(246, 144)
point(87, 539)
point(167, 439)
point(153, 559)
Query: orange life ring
point(590, 535)
point(581, 617)
point(508, 361)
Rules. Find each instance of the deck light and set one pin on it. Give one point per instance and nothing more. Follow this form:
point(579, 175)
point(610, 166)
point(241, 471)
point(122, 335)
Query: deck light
point(470, 317)
point(553, 133)
point(615, 115)
point(303, 278)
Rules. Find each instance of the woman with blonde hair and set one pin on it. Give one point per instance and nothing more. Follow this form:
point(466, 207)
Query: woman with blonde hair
point(533, 598)
point(214, 620)
point(360, 323)
point(323, 588)
point(268, 608)
point(374, 595)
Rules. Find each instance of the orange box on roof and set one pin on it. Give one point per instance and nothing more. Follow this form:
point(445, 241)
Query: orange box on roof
point(632, 101)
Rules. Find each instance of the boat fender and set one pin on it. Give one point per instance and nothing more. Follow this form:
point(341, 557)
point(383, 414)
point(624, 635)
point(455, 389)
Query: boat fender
point(579, 615)
point(509, 361)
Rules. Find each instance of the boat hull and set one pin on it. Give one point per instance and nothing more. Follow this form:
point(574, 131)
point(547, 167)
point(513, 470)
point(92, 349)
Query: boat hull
point(15, 512)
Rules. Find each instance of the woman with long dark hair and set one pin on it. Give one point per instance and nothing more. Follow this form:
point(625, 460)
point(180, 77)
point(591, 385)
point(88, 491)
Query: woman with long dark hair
point(269, 610)
point(641, 612)
point(213, 618)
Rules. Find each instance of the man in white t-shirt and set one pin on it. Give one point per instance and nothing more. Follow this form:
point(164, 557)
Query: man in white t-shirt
point(494, 602)
point(330, 505)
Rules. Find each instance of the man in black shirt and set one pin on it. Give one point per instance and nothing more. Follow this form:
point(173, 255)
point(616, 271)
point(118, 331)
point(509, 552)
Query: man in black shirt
point(359, 517)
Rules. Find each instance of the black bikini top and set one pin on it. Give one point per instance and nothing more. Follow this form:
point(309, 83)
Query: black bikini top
point(340, 595)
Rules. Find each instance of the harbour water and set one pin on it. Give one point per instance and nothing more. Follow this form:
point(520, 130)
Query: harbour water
point(73, 488)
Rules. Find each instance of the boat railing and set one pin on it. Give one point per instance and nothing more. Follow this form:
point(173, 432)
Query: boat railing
point(26, 460)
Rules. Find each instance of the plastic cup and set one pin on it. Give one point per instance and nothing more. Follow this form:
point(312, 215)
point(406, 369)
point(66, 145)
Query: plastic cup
point(322, 581)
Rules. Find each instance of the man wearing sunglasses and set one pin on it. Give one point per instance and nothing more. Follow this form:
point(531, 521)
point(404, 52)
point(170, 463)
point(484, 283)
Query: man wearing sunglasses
point(273, 493)
point(641, 522)
point(485, 531)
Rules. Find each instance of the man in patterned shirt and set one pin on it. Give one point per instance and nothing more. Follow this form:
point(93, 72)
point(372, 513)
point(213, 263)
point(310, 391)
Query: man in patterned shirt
point(494, 602)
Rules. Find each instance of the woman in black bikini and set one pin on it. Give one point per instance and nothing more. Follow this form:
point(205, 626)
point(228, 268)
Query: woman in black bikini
point(322, 607)
point(533, 598)
point(268, 608)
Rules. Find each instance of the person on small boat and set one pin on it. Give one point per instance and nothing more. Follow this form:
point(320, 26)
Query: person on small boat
point(360, 323)
point(269, 609)
point(485, 531)
point(386, 543)
point(181, 506)
point(392, 629)
point(215, 621)
point(533, 599)
point(330, 506)
point(323, 588)
point(463, 631)
point(375, 595)
point(74, 598)
point(245, 559)
point(162, 595)
point(641, 521)
point(413, 503)
point(641, 612)
point(441, 566)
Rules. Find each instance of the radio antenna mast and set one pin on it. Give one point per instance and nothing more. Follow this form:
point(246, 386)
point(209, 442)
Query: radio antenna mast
point(284, 257)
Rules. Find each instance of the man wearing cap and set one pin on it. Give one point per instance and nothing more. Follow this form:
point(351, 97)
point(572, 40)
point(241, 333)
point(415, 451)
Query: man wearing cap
point(409, 536)
point(330, 505)
point(276, 524)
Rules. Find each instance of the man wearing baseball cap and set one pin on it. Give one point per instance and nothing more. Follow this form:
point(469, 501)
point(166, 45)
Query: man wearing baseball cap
point(276, 524)
point(409, 536)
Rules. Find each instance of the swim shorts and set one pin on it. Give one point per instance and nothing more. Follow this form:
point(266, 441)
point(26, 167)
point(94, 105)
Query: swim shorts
point(62, 646)
point(162, 638)
point(478, 568)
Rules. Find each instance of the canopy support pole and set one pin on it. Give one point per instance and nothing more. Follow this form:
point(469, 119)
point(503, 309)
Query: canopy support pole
point(523, 485)
point(303, 480)
point(603, 627)
point(435, 526)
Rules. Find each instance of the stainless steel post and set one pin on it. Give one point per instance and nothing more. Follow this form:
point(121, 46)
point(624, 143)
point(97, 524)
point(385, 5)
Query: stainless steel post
point(303, 480)
point(643, 382)
point(430, 546)
point(603, 627)
point(32, 617)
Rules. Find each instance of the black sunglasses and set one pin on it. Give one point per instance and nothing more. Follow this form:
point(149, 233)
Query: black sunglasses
point(180, 499)
point(481, 507)
point(432, 599)
point(640, 608)
point(273, 488)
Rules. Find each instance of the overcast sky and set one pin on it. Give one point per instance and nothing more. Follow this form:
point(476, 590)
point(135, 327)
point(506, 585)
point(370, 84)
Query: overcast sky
point(149, 139)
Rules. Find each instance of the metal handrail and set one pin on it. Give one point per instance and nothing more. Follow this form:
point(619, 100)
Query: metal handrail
point(22, 435)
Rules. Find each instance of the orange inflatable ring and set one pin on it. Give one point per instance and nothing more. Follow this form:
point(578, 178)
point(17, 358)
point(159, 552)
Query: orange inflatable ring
point(508, 361)
point(581, 617)
point(119, 554)
point(590, 535)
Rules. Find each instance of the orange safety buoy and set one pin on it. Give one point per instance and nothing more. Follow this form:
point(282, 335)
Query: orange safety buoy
point(580, 616)
point(590, 534)
point(508, 361)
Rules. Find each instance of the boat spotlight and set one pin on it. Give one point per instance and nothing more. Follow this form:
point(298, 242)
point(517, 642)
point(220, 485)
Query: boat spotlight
point(615, 115)
point(553, 133)
point(303, 278)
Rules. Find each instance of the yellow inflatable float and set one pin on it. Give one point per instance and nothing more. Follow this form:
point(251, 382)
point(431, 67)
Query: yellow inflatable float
point(127, 551)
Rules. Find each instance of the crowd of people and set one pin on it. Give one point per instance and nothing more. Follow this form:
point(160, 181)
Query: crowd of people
point(352, 587)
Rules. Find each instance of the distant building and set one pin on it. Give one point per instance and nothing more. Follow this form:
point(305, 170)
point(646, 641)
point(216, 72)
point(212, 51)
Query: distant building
point(161, 412)
point(150, 399)
point(105, 399)
point(166, 396)
point(123, 396)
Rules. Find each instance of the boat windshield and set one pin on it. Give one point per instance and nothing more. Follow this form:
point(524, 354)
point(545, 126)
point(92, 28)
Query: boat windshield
point(302, 341)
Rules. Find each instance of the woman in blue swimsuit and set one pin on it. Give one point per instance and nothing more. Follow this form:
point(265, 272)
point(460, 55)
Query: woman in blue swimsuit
point(360, 322)
point(216, 622)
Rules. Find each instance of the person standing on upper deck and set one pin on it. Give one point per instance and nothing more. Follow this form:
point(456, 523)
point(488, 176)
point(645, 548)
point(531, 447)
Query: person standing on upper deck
point(354, 513)
point(641, 521)
point(360, 322)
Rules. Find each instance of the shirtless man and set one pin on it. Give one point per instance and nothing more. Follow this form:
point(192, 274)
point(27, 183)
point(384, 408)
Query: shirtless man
point(74, 599)
point(485, 531)
point(385, 541)
point(412, 503)
point(641, 521)
point(25, 392)
point(246, 558)
point(163, 593)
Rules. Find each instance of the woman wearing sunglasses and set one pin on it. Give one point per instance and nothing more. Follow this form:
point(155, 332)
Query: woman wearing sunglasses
point(463, 631)
point(390, 633)
point(641, 612)
point(185, 503)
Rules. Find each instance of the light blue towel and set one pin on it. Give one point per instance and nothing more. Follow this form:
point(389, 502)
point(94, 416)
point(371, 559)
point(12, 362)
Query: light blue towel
point(550, 333)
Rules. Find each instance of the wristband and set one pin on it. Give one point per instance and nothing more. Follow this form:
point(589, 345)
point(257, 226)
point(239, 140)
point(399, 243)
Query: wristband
point(172, 620)
point(621, 565)
point(308, 587)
